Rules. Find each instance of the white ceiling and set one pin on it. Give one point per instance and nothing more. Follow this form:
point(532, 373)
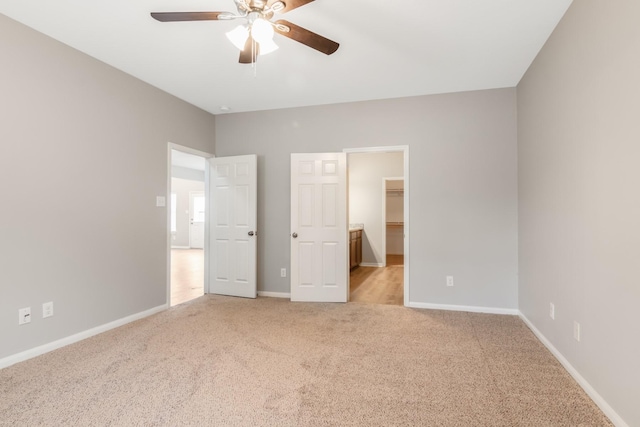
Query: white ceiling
point(416, 47)
point(185, 160)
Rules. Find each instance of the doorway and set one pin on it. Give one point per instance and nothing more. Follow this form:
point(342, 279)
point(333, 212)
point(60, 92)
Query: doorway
point(187, 217)
point(378, 215)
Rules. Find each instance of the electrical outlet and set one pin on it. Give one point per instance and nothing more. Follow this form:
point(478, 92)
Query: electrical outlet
point(449, 280)
point(576, 331)
point(552, 311)
point(283, 272)
point(47, 310)
point(24, 316)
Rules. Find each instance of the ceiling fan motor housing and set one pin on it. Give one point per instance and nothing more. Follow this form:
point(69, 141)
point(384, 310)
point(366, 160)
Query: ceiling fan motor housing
point(257, 4)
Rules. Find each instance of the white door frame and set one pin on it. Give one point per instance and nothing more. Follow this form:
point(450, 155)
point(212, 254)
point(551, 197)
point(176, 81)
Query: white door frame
point(404, 149)
point(188, 150)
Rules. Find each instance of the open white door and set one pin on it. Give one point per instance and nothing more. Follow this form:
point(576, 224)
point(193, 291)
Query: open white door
point(233, 219)
point(319, 256)
point(196, 219)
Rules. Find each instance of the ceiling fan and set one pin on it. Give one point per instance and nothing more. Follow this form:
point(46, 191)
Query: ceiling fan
point(254, 37)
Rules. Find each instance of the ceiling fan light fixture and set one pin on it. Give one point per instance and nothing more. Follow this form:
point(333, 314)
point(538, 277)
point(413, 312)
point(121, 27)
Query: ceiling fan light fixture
point(268, 46)
point(262, 31)
point(238, 36)
point(255, 36)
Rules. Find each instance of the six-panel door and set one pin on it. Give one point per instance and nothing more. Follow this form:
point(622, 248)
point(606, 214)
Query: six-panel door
point(319, 256)
point(233, 219)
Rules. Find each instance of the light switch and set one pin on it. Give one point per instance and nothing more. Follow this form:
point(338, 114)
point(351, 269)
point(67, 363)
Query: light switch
point(24, 315)
point(161, 201)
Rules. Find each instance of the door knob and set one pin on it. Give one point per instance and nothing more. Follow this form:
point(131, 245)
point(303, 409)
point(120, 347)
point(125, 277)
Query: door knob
point(251, 233)
point(294, 235)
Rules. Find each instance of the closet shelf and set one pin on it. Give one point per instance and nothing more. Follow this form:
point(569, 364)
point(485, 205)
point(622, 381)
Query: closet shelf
point(395, 224)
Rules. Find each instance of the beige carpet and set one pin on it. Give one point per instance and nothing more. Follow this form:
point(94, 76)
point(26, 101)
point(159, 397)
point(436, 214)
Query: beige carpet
point(220, 361)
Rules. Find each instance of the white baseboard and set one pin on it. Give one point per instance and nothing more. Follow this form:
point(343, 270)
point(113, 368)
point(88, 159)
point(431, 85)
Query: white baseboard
point(274, 294)
point(37, 351)
point(371, 264)
point(593, 394)
point(467, 308)
point(180, 247)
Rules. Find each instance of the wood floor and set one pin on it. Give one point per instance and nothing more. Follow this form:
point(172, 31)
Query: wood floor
point(373, 285)
point(379, 285)
point(187, 275)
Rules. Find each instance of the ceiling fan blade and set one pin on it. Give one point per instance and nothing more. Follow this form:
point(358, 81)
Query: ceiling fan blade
point(289, 4)
point(250, 53)
point(306, 37)
point(187, 16)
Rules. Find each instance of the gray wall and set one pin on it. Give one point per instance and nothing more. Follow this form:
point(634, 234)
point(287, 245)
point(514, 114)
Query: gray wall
point(84, 155)
point(579, 179)
point(463, 200)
